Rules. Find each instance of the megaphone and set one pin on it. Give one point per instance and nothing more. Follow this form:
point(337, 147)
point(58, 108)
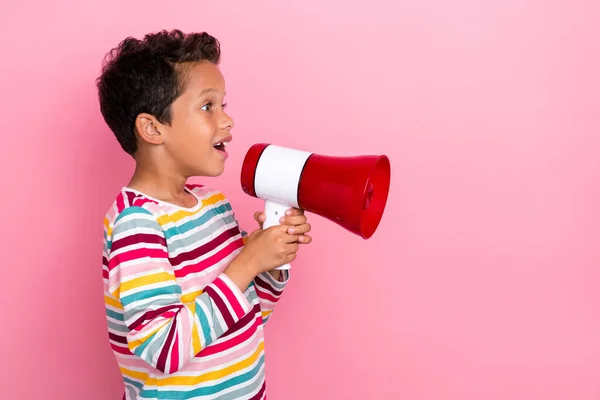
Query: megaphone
point(350, 191)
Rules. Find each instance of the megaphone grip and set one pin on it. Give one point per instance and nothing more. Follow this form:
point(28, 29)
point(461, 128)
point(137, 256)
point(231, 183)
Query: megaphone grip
point(274, 211)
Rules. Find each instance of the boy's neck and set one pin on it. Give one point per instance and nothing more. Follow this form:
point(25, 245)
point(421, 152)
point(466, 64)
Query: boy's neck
point(162, 184)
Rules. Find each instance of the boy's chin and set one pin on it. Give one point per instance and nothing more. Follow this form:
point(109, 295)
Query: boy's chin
point(210, 172)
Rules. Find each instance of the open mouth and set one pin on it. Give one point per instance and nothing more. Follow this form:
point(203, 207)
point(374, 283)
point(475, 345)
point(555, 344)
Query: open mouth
point(220, 146)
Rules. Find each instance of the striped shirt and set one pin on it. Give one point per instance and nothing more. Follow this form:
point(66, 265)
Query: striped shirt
point(178, 326)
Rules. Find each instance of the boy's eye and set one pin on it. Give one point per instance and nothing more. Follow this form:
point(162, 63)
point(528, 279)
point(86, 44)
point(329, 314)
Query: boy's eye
point(206, 107)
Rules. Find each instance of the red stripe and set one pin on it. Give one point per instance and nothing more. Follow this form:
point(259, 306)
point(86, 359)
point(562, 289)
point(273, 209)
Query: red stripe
point(158, 255)
point(117, 338)
point(120, 203)
point(266, 296)
point(193, 186)
point(140, 201)
point(210, 261)
point(105, 267)
point(166, 348)
point(263, 283)
point(152, 314)
point(130, 197)
point(234, 341)
point(220, 303)
point(175, 355)
point(120, 349)
point(231, 298)
point(255, 314)
point(207, 247)
point(138, 239)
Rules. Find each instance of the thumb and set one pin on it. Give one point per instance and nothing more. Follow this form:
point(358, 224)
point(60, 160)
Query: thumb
point(260, 218)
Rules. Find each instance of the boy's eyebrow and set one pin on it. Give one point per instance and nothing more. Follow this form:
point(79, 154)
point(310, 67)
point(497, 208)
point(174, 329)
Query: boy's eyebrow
point(207, 90)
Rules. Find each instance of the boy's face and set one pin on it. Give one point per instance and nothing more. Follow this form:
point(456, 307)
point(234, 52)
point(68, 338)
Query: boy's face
point(199, 124)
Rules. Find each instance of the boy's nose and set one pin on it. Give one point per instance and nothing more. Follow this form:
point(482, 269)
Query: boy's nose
point(227, 122)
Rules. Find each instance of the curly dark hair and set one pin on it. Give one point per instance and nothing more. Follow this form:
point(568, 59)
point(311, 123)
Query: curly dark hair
point(146, 76)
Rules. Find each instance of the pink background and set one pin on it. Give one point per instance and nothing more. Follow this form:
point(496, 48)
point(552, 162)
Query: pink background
point(482, 282)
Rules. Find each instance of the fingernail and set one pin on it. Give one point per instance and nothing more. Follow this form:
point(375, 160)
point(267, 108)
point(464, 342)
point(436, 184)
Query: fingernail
point(301, 239)
point(288, 212)
point(292, 230)
point(281, 220)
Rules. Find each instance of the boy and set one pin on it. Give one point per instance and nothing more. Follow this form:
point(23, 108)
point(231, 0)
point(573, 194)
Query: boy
point(187, 292)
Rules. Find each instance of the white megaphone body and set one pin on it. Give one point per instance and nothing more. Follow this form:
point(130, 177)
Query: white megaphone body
point(350, 191)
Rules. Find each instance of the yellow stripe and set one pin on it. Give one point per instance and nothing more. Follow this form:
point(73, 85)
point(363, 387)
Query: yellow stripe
point(266, 313)
point(142, 376)
point(196, 340)
point(113, 302)
point(209, 376)
point(108, 227)
point(134, 344)
point(189, 300)
point(165, 219)
point(190, 297)
point(146, 280)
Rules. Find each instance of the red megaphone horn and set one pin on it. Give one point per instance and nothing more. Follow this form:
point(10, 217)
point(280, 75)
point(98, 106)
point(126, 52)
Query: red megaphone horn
point(350, 191)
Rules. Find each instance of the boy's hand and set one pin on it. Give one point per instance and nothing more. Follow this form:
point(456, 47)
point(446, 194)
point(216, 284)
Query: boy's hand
point(298, 226)
point(296, 219)
point(264, 251)
point(268, 249)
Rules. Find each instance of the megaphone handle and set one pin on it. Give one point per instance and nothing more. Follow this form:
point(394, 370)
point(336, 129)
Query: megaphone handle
point(274, 211)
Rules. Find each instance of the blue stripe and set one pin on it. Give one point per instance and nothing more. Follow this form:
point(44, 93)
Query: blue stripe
point(132, 210)
point(194, 223)
point(146, 294)
point(140, 349)
point(205, 391)
point(114, 315)
point(204, 324)
point(127, 211)
point(133, 383)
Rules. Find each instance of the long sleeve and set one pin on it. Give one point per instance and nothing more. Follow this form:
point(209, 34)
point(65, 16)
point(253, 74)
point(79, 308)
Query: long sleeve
point(268, 289)
point(163, 331)
point(269, 292)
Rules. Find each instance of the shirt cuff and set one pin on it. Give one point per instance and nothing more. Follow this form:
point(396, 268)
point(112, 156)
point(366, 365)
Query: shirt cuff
point(278, 285)
point(230, 300)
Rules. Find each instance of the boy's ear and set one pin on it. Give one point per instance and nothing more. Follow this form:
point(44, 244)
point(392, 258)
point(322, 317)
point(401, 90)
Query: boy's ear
point(148, 129)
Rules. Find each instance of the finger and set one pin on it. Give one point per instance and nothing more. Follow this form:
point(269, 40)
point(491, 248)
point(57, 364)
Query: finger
point(281, 231)
point(299, 229)
point(291, 248)
point(290, 238)
point(293, 220)
point(259, 217)
point(280, 228)
point(294, 211)
point(304, 239)
point(290, 258)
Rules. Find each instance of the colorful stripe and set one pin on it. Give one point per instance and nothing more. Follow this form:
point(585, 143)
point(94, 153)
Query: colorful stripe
point(178, 326)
